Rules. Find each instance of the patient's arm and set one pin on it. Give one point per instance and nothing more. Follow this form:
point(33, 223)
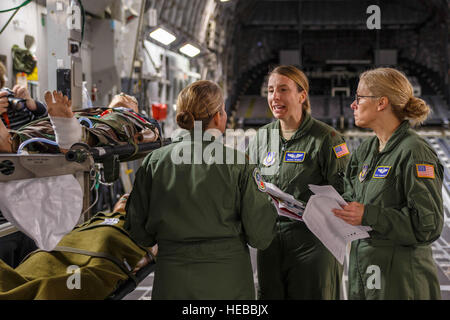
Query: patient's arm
point(60, 112)
point(58, 106)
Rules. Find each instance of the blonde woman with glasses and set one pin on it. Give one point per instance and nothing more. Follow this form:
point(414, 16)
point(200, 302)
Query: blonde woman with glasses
point(394, 185)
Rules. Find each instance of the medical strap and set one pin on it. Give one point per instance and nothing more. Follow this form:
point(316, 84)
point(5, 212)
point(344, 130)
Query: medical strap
point(99, 255)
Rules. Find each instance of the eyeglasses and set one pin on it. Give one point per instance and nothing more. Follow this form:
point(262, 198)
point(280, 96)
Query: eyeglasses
point(357, 97)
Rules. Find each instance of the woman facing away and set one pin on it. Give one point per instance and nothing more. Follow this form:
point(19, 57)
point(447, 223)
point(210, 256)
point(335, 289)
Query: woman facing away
point(202, 214)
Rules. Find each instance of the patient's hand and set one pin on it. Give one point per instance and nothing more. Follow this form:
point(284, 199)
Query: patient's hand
point(121, 203)
point(146, 259)
point(58, 105)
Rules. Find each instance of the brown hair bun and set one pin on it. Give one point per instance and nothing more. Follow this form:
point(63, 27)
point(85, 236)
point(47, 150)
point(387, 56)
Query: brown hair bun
point(185, 120)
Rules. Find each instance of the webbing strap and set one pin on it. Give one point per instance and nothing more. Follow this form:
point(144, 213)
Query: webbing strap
point(99, 255)
point(89, 227)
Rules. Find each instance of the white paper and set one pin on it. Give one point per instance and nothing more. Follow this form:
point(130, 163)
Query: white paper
point(332, 231)
point(285, 203)
point(330, 192)
point(45, 209)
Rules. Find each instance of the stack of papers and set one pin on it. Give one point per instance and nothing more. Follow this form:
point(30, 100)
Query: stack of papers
point(332, 231)
point(285, 203)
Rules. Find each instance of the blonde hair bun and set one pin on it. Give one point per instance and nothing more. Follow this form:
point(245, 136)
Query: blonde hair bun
point(185, 120)
point(416, 109)
point(394, 85)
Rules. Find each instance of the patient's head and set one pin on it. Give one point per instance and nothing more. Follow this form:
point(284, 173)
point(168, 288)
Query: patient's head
point(125, 101)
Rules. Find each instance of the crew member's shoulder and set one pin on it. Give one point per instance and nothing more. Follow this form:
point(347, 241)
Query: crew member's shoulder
point(271, 125)
point(324, 130)
point(160, 153)
point(417, 146)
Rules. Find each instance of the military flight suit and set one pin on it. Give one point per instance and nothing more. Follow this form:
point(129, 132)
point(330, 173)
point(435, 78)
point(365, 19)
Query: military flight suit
point(202, 216)
point(401, 189)
point(297, 265)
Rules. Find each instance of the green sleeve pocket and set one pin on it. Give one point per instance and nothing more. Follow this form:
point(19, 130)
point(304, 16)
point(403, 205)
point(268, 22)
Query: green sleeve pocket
point(423, 207)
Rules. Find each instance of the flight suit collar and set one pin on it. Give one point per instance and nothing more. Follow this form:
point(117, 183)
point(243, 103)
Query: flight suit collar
point(179, 135)
point(206, 136)
point(396, 137)
point(306, 124)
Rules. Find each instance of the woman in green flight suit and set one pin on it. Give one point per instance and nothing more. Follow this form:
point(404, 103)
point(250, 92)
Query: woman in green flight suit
point(395, 182)
point(297, 150)
point(202, 211)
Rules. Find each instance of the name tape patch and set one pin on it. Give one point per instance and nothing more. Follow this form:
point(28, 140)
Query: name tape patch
point(294, 156)
point(381, 172)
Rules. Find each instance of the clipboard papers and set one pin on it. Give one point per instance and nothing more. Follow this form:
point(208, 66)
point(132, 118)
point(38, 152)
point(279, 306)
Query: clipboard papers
point(285, 203)
point(332, 231)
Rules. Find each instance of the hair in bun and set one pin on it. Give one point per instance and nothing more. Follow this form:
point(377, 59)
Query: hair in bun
point(199, 101)
point(393, 84)
point(185, 120)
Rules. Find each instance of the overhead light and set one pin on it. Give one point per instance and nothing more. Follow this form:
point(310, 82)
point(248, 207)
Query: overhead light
point(163, 36)
point(224, 0)
point(190, 50)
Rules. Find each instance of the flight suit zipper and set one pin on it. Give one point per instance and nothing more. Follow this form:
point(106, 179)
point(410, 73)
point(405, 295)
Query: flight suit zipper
point(365, 184)
point(373, 165)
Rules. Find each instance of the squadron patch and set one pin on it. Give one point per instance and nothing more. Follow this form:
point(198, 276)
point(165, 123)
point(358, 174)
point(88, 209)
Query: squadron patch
point(381, 172)
point(294, 156)
point(363, 173)
point(259, 180)
point(269, 159)
point(425, 171)
point(341, 150)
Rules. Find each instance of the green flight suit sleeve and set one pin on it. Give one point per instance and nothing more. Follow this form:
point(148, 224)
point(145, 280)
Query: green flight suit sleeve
point(333, 168)
point(350, 172)
point(138, 207)
point(257, 212)
point(420, 220)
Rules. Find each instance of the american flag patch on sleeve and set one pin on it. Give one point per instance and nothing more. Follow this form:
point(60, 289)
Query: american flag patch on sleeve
point(425, 171)
point(341, 150)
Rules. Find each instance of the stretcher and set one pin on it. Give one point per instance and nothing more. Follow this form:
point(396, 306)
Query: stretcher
point(94, 261)
point(81, 161)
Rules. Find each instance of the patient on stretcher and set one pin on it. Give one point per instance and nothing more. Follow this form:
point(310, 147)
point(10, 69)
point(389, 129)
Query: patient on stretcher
point(119, 124)
point(90, 262)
